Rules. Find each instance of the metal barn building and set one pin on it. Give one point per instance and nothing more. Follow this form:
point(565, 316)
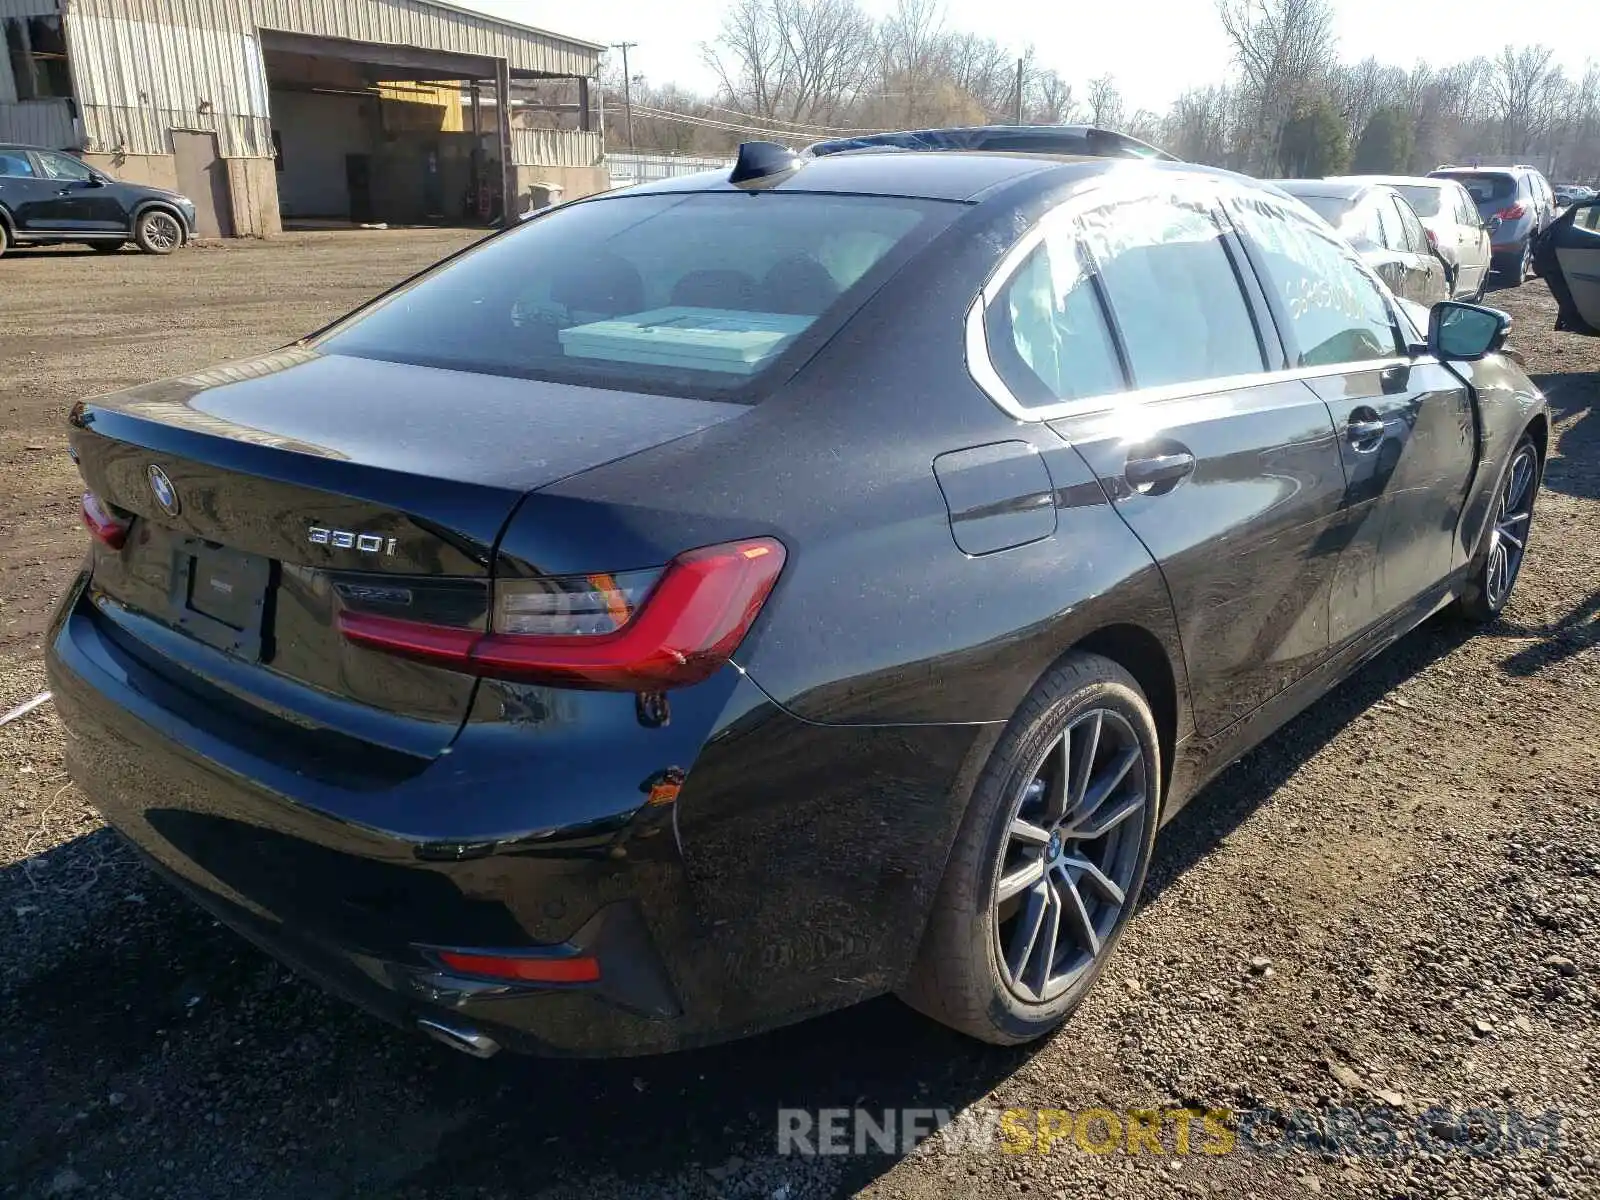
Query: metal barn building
point(264, 111)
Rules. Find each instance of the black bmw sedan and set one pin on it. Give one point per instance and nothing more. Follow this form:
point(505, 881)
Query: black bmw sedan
point(714, 603)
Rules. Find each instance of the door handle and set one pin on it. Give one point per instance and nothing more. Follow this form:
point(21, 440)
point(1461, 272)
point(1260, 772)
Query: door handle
point(1159, 472)
point(1365, 429)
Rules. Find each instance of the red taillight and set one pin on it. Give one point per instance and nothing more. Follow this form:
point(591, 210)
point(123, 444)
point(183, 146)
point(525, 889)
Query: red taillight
point(1515, 213)
point(682, 632)
point(1433, 238)
point(107, 526)
point(524, 968)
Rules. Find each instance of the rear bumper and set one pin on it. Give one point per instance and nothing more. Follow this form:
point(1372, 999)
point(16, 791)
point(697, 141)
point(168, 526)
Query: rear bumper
point(752, 901)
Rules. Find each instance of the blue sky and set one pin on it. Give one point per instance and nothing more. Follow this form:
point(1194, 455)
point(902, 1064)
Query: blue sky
point(1084, 41)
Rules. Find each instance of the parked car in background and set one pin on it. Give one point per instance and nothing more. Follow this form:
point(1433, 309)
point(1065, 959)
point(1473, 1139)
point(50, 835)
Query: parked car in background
point(48, 197)
point(1087, 141)
point(1520, 199)
point(1568, 254)
point(1385, 231)
point(1455, 230)
point(1568, 194)
point(679, 615)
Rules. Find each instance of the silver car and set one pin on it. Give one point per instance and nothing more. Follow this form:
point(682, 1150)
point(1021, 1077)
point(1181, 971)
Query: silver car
point(1376, 220)
point(1462, 238)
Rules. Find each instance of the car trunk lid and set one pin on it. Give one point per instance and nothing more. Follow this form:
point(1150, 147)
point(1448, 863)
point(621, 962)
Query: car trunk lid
point(266, 496)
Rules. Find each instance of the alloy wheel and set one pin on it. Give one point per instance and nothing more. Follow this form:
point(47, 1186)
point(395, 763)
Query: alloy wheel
point(1513, 515)
point(161, 231)
point(1069, 856)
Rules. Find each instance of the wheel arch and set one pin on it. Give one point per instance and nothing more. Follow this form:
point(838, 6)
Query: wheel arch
point(1143, 655)
point(145, 206)
point(1539, 430)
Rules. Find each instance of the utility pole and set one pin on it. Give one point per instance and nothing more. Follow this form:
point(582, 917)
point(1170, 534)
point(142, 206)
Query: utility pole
point(1019, 91)
point(627, 86)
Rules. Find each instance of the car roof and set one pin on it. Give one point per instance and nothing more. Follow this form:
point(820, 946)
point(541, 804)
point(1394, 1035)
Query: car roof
point(917, 174)
point(1079, 140)
point(1394, 180)
point(1333, 189)
point(1513, 172)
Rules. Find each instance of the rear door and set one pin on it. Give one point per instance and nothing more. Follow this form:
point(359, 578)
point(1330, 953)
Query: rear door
point(1406, 428)
point(1569, 258)
point(1229, 477)
point(1423, 270)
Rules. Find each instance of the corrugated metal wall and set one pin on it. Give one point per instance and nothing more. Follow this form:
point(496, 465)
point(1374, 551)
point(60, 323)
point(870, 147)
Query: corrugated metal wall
point(144, 67)
point(38, 123)
point(138, 79)
point(555, 148)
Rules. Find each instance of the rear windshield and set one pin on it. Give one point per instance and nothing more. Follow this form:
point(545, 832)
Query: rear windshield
point(1421, 197)
point(1331, 209)
point(1486, 187)
point(692, 294)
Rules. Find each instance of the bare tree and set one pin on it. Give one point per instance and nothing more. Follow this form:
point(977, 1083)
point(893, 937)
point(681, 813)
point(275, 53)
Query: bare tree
point(1104, 102)
point(1050, 100)
point(1284, 50)
point(1524, 87)
point(793, 60)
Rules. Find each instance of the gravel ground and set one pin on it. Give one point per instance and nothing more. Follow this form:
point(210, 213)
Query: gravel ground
point(1387, 910)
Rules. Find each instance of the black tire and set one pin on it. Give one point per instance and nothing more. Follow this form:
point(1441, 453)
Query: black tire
point(973, 968)
point(1483, 287)
point(5, 238)
point(1499, 561)
point(106, 247)
point(158, 231)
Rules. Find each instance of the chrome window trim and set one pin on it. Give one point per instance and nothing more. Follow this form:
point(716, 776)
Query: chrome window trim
point(983, 372)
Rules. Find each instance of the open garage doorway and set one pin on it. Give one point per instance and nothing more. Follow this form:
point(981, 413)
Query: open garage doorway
point(366, 133)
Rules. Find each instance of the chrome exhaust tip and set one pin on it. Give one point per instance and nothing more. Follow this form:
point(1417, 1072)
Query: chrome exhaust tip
point(466, 1040)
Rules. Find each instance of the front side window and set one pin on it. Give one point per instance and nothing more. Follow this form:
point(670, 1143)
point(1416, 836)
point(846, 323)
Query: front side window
point(1336, 313)
point(1171, 285)
point(696, 294)
point(62, 166)
point(15, 164)
point(1047, 334)
point(1466, 211)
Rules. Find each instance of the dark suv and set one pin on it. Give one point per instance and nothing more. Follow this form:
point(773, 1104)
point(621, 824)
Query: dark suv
point(47, 196)
point(1085, 141)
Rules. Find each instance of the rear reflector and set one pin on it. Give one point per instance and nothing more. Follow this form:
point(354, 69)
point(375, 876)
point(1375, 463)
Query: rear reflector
point(524, 968)
point(106, 526)
point(607, 632)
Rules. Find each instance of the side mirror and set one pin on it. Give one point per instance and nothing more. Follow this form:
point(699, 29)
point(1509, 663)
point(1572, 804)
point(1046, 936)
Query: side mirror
point(1465, 332)
point(94, 181)
point(1492, 224)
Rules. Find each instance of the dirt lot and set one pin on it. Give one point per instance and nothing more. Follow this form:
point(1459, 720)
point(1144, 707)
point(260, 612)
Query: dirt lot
point(1413, 866)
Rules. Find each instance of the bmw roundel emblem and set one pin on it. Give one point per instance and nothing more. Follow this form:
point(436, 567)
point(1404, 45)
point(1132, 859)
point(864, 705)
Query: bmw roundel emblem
point(161, 487)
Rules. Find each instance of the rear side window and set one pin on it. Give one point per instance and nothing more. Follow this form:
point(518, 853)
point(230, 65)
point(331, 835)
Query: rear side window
point(1336, 313)
point(1332, 209)
point(1172, 289)
point(1390, 234)
point(15, 164)
point(1047, 334)
point(1466, 212)
point(1423, 199)
point(692, 294)
point(1415, 238)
